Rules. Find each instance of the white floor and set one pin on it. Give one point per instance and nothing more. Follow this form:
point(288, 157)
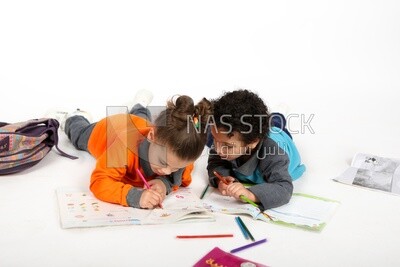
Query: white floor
point(334, 64)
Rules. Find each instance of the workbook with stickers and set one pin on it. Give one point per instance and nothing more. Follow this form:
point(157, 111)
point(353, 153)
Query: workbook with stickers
point(79, 208)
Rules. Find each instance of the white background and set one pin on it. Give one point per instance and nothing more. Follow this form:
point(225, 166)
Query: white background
point(338, 61)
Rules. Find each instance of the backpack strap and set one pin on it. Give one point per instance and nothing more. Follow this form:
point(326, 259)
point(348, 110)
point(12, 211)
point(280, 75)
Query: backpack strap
point(53, 125)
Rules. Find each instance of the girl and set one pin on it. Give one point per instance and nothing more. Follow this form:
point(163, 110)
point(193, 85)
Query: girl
point(125, 144)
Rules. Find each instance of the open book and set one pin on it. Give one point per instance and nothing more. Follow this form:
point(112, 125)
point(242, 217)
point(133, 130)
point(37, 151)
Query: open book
point(79, 208)
point(303, 211)
point(373, 172)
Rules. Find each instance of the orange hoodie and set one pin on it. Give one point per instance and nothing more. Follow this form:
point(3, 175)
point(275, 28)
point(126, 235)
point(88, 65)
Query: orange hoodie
point(114, 143)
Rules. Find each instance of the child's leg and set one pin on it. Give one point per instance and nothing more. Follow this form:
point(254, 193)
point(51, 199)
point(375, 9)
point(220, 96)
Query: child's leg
point(140, 103)
point(141, 111)
point(78, 130)
point(279, 121)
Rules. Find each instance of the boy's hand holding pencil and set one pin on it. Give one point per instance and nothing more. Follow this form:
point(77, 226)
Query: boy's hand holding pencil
point(224, 182)
point(236, 190)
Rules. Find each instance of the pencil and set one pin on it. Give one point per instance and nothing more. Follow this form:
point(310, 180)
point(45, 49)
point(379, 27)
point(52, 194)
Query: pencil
point(244, 198)
point(204, 236)
point(146, 184)
point(268, 216)
point(246, 229)
point(205, 190)
point(219, 176)
point(245, 234)
point(249, 245)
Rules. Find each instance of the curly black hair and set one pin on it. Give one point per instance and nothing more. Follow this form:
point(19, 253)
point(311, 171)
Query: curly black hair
point(244, 112)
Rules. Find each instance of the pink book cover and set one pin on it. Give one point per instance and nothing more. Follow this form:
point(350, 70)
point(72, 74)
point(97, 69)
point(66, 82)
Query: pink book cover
point(218, 257)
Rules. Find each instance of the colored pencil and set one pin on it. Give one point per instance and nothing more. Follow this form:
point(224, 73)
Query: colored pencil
point(204, 192)
point(244, 198)
point(268, 216)
point(204, 236)
point(222, 179)
point(249, 245)
point(146, 184)
point(245, 234)
point(246, 229)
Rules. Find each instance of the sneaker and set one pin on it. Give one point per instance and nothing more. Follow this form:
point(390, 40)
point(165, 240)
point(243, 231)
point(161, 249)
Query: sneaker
point(142, 97)
point(61, 116)
point(82, 113)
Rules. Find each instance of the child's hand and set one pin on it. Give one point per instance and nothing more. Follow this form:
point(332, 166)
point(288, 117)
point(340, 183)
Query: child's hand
point(150, 199)
point(222, 186)
point(159, 186)
point(237, 189)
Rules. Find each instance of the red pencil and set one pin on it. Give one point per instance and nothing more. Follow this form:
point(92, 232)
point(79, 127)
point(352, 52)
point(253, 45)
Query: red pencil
point(204, 236)
point(222, 179)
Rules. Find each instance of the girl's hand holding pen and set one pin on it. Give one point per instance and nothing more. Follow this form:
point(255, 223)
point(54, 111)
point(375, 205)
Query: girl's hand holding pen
point(159, 186)
point(150, 199)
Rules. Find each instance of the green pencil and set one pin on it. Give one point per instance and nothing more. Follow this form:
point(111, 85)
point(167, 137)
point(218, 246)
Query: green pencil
point(246, 229)
point(244, 198)
point(204, 192)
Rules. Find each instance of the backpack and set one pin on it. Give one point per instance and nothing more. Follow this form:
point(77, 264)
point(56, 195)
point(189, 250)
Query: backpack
point(24, 144)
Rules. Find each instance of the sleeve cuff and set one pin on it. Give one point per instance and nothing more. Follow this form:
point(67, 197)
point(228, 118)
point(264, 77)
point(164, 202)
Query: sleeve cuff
point(133, 197)
point(167, 184)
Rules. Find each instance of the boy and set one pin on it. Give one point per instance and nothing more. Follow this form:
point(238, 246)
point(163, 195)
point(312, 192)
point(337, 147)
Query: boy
point(252, 146)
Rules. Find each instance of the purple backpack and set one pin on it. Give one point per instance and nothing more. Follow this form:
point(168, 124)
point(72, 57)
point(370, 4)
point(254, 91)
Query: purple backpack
point(24, 144)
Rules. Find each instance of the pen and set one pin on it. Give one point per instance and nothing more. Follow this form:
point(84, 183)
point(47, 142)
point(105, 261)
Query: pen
point(205, 190)
point(246, 229)
point(204, 236)
point(249, 245)
point(219, 176)
point(146, 184)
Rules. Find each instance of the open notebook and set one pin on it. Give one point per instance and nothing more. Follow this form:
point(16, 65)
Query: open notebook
point(79, 208)
point(373, 172)
point(303, 211)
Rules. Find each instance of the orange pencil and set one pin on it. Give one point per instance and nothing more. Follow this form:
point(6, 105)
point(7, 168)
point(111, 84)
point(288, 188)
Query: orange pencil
point(222, 179)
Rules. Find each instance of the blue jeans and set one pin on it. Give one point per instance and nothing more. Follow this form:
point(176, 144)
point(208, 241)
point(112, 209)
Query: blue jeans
point(79, 129)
